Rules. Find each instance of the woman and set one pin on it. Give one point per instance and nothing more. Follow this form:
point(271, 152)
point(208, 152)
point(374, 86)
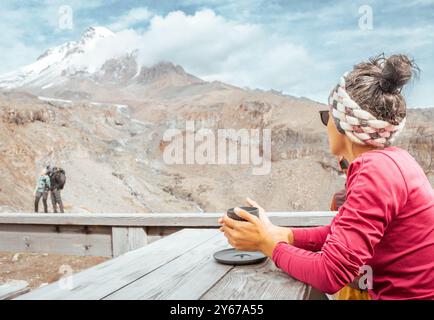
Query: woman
point(41, 190)
point(387, 220)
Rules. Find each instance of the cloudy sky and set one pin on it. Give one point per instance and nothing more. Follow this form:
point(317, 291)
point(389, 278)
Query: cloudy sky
point(297, 47)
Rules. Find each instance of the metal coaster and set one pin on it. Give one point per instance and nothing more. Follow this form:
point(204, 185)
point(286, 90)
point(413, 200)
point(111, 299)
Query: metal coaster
point(236, 257)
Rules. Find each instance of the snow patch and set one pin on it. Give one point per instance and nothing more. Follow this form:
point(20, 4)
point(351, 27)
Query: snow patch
point(54, 100)
point(47, 86)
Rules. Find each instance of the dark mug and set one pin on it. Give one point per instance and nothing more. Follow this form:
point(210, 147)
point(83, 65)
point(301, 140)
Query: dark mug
point(252, 210)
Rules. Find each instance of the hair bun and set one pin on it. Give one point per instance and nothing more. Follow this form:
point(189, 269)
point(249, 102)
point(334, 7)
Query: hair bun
point(396, 72)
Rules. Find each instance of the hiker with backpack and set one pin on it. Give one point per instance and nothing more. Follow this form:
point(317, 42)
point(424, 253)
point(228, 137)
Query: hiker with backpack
point(43, 184)
point(57, 179)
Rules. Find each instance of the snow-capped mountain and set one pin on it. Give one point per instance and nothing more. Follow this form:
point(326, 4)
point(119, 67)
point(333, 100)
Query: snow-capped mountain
point(78, 67)
point(56, 63)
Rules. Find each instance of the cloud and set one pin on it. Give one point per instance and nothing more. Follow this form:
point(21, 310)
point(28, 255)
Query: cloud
point(300, 48)
point(130, 19)
point(415, 3)
point(15, 50)
point(410, 39)
point(239, 52)
point(215, 48)
point(27, 31)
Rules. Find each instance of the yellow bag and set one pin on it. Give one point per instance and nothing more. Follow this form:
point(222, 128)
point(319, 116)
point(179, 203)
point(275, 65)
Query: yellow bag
point(348, 293)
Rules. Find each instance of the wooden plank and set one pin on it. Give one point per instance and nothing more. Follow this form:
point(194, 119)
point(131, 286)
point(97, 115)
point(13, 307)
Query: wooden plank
point(137, 238)
point(159, 219)
point(156, 233)
point(263, 282)
point(126, 239)
point(187, 277)
point(105, 278)
point(119, 240)
point(73, 240)
point(13, 289)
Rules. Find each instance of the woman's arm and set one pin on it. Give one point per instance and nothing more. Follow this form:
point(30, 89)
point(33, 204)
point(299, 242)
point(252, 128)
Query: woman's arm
point(48, 182)
point(311, 239)
point(36, 187)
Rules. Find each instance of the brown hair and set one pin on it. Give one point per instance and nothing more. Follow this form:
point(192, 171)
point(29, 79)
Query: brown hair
point(376, 86)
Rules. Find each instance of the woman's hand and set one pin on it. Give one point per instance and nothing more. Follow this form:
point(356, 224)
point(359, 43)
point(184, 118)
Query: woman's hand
point(255, 234)
point(278, 233)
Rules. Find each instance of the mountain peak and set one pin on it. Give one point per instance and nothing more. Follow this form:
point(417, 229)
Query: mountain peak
point(80, 61)
point(96, 32)
point(91, 34)
point(165, 69)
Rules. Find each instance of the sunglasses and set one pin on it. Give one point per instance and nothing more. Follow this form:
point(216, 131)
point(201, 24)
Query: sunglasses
point(324, 117)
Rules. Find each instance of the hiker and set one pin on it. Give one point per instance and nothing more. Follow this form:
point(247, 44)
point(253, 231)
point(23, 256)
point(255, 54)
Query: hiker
point(42, 186)
point(386, 223)
point(58, 179)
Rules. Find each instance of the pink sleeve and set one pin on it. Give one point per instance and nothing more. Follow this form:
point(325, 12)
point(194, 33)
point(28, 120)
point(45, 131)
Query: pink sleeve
point(375, 191)
point(311, 239)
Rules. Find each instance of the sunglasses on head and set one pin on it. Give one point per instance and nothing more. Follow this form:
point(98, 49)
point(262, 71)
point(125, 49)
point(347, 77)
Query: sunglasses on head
point(324, 114)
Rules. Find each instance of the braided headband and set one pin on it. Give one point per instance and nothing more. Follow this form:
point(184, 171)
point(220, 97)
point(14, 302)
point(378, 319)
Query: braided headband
point(359, 125)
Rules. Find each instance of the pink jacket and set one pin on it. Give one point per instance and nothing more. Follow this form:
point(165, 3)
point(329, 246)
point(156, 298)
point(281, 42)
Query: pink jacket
point(386, 222)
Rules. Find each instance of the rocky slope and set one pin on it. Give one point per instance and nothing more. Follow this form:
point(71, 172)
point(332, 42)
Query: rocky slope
point(113, 154)
point(91, 143)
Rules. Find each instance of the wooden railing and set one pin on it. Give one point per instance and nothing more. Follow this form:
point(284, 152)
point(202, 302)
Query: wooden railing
point(114, 234)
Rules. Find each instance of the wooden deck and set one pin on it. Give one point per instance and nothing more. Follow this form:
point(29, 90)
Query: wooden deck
point(179, 266)
point(114, 234)
point(13, 289)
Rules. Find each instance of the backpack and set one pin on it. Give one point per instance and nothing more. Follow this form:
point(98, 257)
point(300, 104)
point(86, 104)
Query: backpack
point(60, 176)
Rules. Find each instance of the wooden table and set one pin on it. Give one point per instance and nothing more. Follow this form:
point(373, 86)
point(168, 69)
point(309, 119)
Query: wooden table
point(179, 266)
point(13, 289)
